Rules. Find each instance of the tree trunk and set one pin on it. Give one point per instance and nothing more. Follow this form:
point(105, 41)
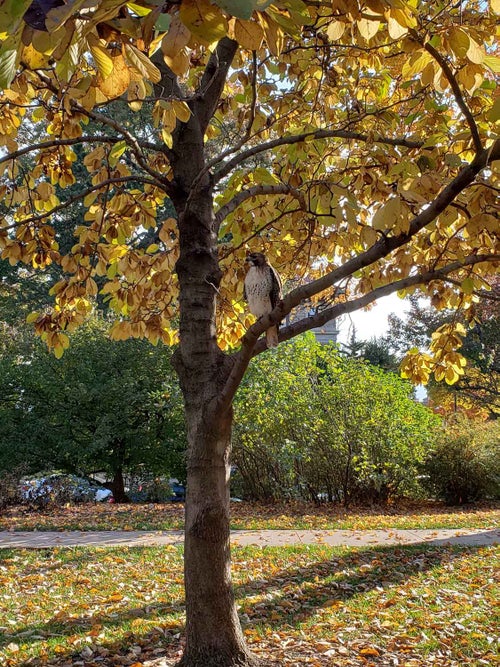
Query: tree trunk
point(213, 633)
point(118, 486)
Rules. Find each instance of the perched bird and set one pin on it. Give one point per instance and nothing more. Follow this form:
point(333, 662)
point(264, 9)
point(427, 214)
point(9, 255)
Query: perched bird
point(262, 291)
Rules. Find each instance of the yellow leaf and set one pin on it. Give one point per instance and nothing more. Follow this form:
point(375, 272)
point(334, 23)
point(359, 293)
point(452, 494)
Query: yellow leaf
point(182, 111)
point(495, 6)
point(335, 30)
point(142, 63)
point(451, 376)
point(475, 53)
point(386, 216)
point(249, 34)
point(102, 57)
point(203, 19)
point(32, 58)
point(493, 62)
point(396, 30)
point(176, 38)
point(116, 83)
point(179, 64)
point(459, 42)
point(368, 28)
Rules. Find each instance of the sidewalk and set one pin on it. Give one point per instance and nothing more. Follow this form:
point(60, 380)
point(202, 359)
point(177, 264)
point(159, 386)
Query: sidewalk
point(260, 538)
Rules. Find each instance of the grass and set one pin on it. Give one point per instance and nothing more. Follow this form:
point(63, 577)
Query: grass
point(414, 606)
point(254, 516)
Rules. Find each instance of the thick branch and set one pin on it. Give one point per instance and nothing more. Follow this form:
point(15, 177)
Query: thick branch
point(380, 249)
point(321, 318)
point(212, 82)
point(254, 191)
point(316, 134)
point(251, 347)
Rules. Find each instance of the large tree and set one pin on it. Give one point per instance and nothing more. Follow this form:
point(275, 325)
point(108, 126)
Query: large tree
point(353, 142)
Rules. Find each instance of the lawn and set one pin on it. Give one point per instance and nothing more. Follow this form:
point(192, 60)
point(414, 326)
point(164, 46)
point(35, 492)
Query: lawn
point(413, 606)
point(298, 515)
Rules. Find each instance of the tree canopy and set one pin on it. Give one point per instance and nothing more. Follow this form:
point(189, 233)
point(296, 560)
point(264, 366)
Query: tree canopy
point(353, 142)
point(356, 134)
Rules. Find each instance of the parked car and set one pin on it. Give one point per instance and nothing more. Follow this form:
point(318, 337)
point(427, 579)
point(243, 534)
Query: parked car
point(156, 490)
point(61, 488)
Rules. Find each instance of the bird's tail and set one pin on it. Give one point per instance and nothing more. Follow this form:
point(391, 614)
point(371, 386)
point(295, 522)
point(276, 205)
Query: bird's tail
point(272, 337)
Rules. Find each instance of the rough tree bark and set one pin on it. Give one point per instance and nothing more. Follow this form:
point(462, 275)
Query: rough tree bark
point(213, 632)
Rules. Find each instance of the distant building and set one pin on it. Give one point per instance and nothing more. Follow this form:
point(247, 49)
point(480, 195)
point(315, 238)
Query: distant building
point(327, 333)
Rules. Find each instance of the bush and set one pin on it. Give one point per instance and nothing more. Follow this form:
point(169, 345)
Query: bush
point(465, 465)
point(312, 424)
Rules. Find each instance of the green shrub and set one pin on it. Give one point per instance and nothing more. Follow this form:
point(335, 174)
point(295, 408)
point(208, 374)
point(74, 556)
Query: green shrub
point(312, 424)
point(465, 464)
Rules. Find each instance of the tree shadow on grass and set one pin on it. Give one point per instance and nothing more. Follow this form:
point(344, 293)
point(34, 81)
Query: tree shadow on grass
point(294, 595)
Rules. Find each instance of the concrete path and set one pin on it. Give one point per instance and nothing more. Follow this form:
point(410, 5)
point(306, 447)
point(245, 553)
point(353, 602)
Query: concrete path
point(261, 538)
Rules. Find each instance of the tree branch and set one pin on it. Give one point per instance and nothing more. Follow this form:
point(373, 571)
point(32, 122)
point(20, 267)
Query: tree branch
point(212, 82)
point(380, 249)
point(321, 318)
point(450, 77)
point(132, 141)
point(82, 195)
point(85, 139)
point(316, 134)
point(254, 191)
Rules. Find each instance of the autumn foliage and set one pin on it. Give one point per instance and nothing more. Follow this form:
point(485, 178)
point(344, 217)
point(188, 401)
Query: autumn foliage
point(353, 142)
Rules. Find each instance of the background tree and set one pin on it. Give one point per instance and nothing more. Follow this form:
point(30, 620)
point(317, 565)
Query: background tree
point(356, 199)
point(477, 392)
point(107, 406)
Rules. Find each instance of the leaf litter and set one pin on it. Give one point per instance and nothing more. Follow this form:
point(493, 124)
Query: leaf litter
point(310, 605)
point(255, 516)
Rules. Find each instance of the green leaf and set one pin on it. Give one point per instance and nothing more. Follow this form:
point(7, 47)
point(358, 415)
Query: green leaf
point(467, 286)
point(261, 175)
point(493, 62)
point(163, 22)
point(116, 152)
point(494, 113)
point(242, 9)
point(8, 63)
point(11, 12)
point(386, 216)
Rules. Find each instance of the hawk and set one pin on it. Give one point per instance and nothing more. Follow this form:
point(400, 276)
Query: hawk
point(262, 291)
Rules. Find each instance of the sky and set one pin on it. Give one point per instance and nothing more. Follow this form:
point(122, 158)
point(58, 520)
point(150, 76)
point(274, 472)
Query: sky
point(372, 323)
